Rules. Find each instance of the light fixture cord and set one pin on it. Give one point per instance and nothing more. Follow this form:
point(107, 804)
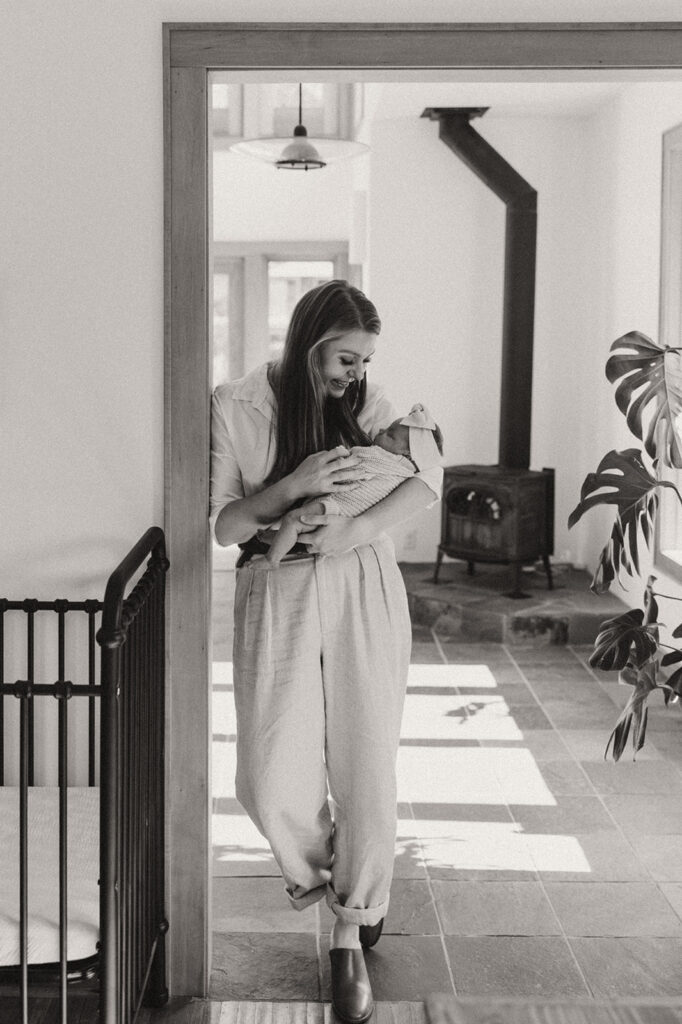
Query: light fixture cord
point(300, 103)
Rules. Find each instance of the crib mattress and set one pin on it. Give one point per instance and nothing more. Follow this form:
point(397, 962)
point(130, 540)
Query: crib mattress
point(43, 874)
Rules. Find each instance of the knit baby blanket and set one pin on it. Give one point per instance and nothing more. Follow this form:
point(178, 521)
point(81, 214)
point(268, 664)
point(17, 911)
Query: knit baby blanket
point(387, 472)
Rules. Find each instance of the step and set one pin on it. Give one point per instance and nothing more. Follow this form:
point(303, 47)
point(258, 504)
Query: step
point(197, 1011)
point(480, 607)
point(439, 1008)
point(447, 1009)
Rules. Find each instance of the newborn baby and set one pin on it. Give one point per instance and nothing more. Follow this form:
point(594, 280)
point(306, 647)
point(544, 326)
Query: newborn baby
point(407, 446)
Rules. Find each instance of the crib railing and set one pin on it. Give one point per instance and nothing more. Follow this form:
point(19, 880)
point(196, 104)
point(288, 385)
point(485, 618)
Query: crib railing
point(132, 917)
point(27, 691)
point(131, 959)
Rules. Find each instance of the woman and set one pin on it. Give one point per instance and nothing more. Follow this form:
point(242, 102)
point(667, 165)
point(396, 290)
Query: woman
point(321, 644)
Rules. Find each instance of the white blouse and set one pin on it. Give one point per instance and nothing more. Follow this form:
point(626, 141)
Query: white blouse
point(243, 441)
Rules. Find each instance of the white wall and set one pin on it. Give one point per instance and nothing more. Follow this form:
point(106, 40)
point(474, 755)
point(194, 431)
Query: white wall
point(81, 273)
point(254, 201)
point(436, 273)
point(627, 162)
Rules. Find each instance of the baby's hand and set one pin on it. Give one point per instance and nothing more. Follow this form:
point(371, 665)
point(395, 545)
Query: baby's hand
point(333, 534)
point(295, 517)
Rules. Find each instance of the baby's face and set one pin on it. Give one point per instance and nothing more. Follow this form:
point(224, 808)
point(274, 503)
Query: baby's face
point(395, 438)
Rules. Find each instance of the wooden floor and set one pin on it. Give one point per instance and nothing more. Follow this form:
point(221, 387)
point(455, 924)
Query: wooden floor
point(439, 1009)
point(83, 1010)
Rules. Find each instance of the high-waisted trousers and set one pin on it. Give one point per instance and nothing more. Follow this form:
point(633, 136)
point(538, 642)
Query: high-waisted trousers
point(321, 652)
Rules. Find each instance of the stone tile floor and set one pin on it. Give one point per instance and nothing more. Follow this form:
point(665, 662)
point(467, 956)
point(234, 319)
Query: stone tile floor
point(481, 607)
point(526, 865)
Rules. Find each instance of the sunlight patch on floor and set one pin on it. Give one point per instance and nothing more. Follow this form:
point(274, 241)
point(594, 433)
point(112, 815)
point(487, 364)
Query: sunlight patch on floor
point(222, 673)
point(455, 785)
point(471, 775)
point(450, 675)
point(223, 765)
point(236, 840)
point(459, 718)
point(496, 846)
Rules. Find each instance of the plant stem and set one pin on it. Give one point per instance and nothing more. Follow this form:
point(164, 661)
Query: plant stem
point(660, 482)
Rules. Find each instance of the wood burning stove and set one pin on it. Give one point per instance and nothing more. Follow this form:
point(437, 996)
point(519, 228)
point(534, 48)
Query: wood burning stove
point(497, 514)
point(502, 513)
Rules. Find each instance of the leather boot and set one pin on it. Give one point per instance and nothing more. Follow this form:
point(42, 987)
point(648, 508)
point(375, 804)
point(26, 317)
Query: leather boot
point(369, 933)
point(351, 991)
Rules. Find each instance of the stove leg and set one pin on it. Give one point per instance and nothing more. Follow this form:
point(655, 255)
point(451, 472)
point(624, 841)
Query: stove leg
point(548, 570)
point(470, 568)
point(516, 580)
point(439, 562)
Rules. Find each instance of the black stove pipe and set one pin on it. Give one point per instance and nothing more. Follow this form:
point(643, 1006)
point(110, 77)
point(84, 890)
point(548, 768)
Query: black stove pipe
point(519, 274)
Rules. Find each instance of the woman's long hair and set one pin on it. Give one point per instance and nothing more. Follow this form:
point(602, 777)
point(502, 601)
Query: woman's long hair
point(307, 420)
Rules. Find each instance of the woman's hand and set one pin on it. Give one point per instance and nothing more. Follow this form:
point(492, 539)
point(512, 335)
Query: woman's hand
point(324, 472)
point(331, 534)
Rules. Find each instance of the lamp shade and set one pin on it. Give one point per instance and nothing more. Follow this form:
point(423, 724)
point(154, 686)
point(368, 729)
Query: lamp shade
point(272, 150)
point(300, 155)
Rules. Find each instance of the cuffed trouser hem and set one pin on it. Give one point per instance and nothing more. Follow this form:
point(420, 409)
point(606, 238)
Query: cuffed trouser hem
point(350, 915)
point(300, 902)
point(356, 915)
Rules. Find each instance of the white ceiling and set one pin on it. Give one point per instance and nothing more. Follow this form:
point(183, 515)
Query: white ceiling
point(552, 92)
point(573, 99)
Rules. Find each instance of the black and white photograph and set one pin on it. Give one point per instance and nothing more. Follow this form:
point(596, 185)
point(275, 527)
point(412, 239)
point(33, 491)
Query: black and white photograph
point(341, 547)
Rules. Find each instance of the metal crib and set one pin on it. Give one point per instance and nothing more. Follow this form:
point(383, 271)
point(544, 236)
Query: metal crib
point(127, 738)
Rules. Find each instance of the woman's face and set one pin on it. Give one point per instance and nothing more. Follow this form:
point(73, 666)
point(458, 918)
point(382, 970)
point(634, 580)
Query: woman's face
point(344, 359)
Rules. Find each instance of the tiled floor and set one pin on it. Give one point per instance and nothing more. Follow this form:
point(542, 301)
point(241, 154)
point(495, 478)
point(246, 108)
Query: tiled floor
point(526, 866)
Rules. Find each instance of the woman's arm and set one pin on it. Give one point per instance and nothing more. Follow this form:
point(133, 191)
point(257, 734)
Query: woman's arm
point(338, 533)
point(318, 474)
point(240, 519)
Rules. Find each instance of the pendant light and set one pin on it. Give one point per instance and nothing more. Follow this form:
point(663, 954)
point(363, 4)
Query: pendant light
point(299, 153)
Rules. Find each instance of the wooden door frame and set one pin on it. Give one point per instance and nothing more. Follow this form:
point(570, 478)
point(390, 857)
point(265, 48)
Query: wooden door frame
point(190, 52)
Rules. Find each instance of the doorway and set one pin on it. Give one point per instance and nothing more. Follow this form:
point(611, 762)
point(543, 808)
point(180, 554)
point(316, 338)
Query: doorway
point(190, 51)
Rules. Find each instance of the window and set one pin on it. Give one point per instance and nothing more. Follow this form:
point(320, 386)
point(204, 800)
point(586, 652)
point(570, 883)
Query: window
point(255, 288)
point(278, 108)
point(288, 281)
point(227, 111)
point(228, 321)
point(668, 551)
point(330, 109)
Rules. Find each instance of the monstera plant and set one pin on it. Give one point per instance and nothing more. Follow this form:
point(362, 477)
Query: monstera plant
point(649, 394)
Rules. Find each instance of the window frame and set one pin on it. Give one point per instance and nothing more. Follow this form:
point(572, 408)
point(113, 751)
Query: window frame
point(254, 257)
point(668, 522)
point(247, 114)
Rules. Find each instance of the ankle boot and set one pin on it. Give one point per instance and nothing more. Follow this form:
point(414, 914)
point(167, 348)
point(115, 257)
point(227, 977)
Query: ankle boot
point(351, 991)
point(369, 933)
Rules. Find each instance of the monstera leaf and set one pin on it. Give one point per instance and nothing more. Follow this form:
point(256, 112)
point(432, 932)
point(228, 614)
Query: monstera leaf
point(650, 602)
point(623, 641)
point(634, 714)
point(623, 480)
point(673, 684)
point(650, 389)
